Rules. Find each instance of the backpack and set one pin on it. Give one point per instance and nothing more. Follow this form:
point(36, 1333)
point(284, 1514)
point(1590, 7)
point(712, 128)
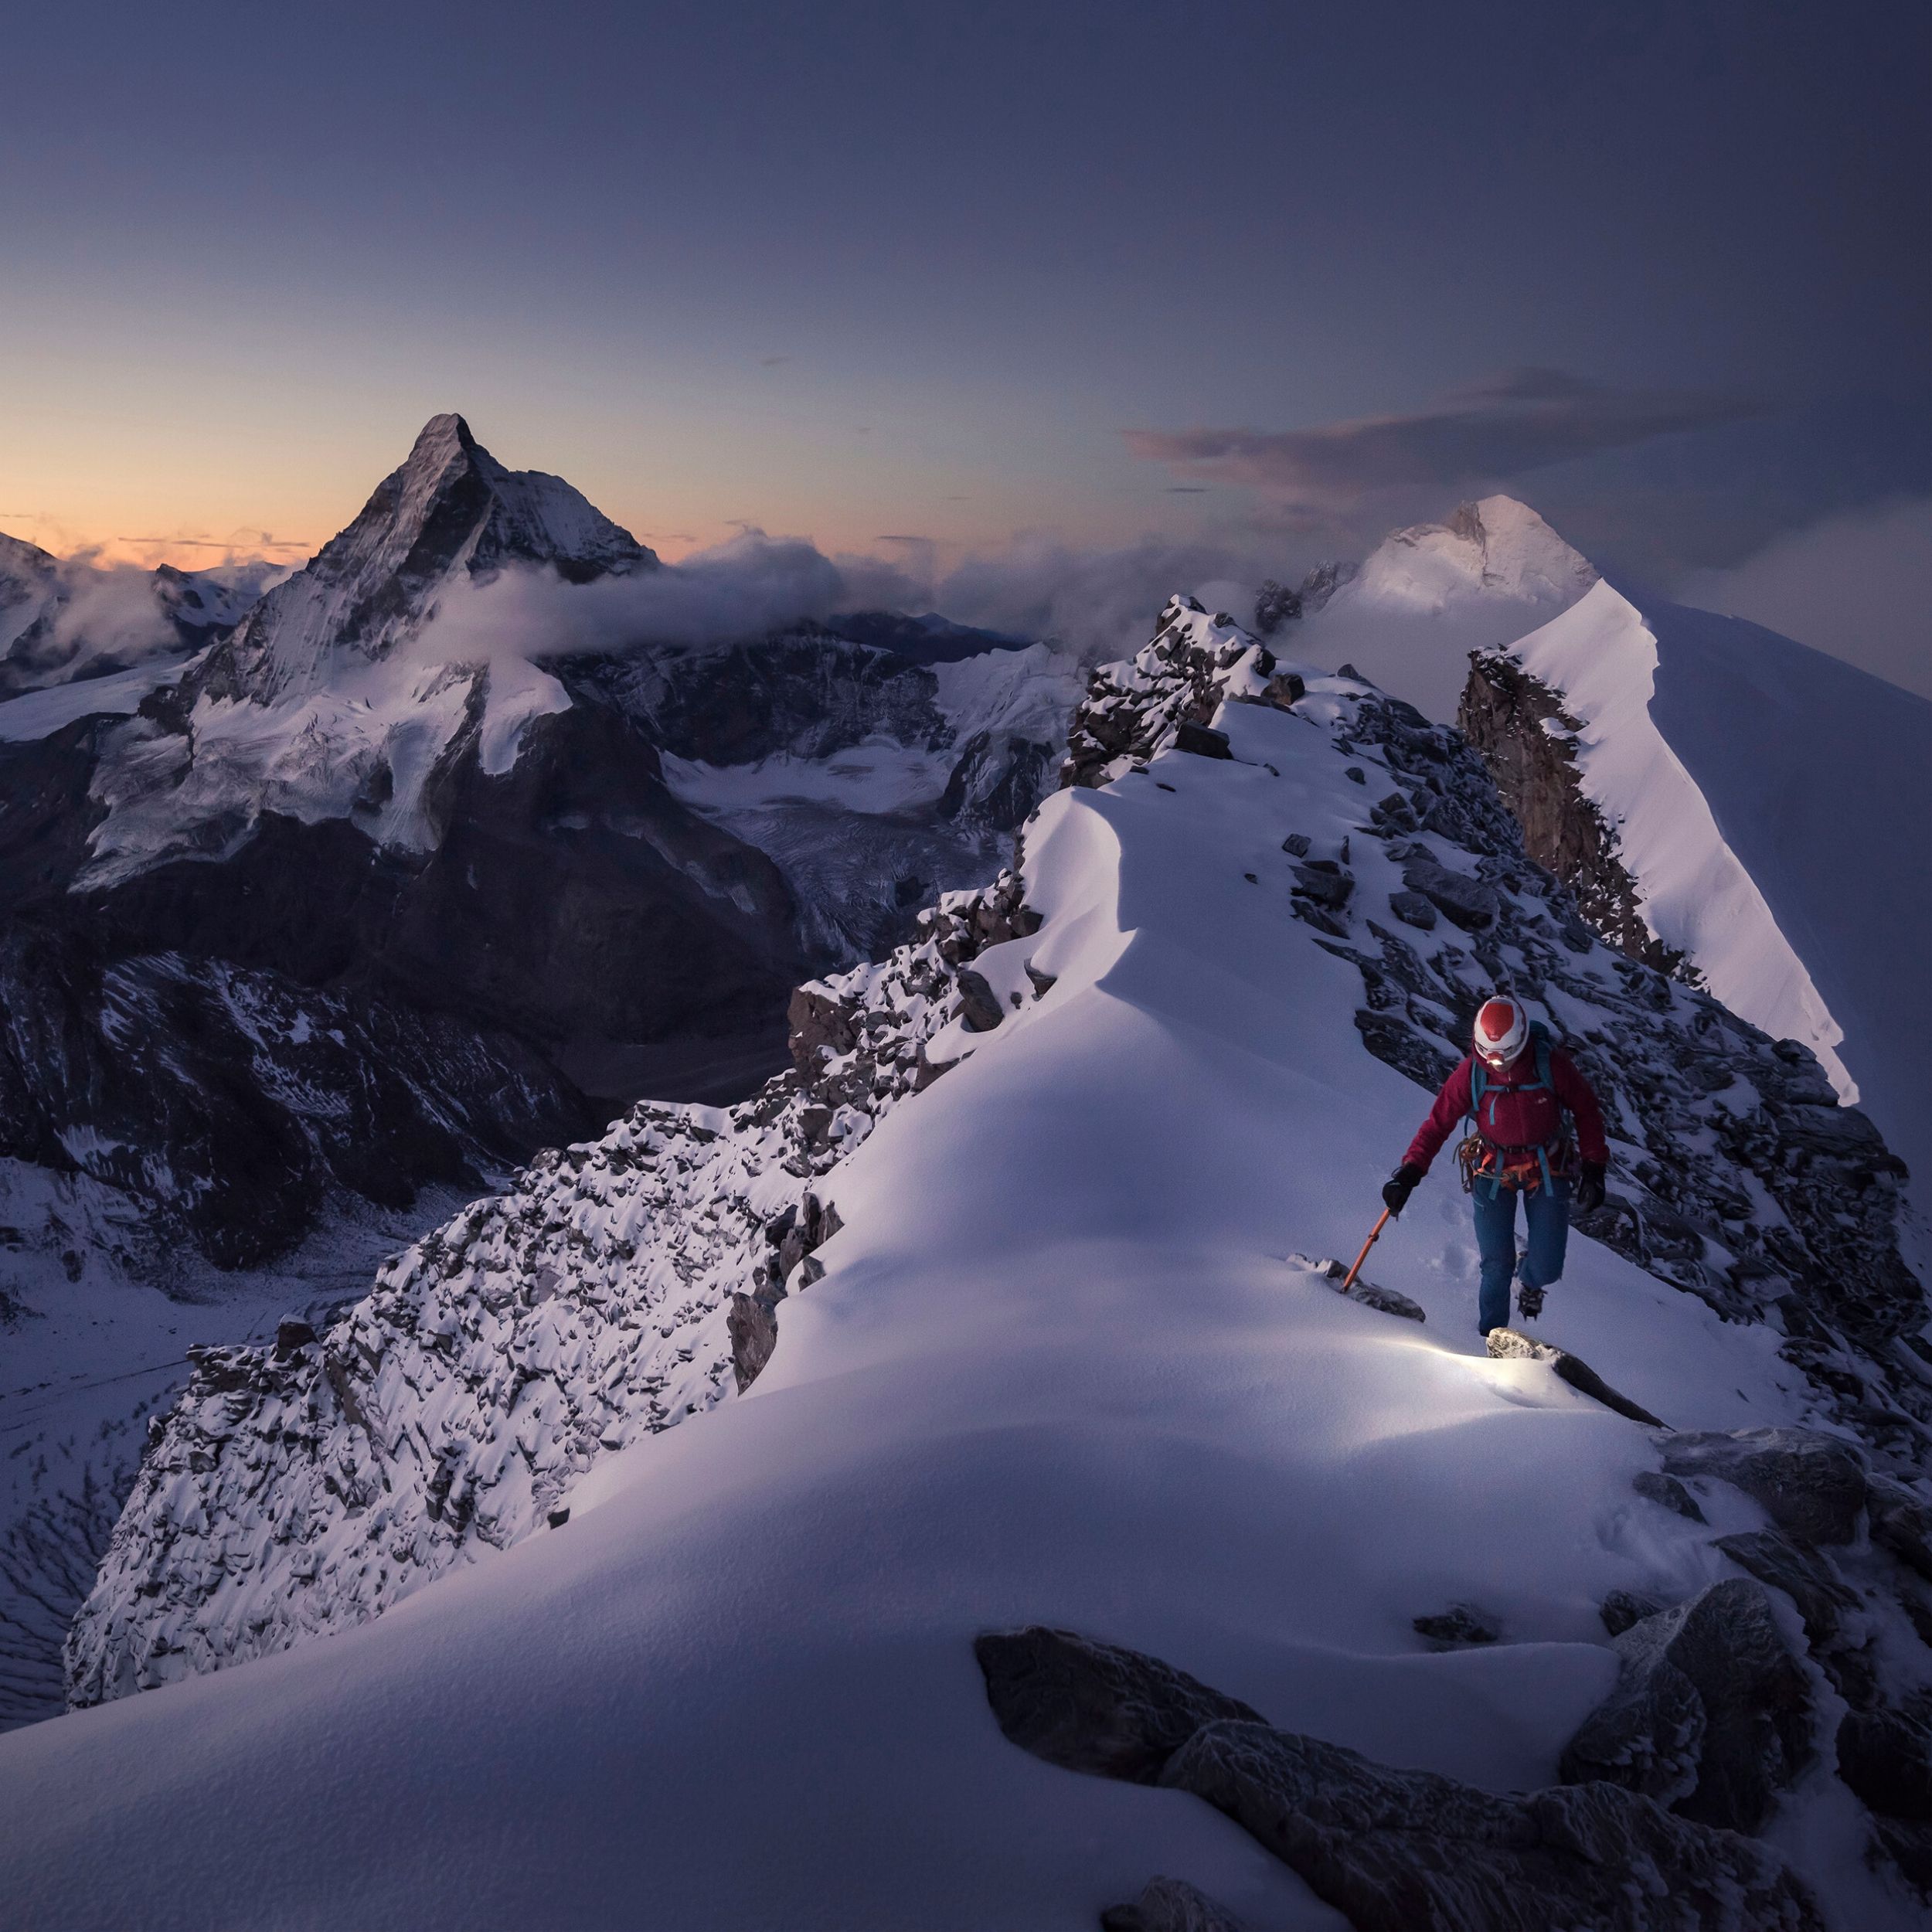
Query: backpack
point(1481, 1158)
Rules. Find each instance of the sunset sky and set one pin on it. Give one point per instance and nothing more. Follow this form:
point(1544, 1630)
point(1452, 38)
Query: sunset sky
point(1276, 276)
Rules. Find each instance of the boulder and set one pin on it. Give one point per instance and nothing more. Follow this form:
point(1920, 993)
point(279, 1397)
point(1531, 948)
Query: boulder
point(1203, 741)
point(1399, 1851)
point(1886, 1757)
point(1512, 1345)
point(1324, 881)
point(1711, 1714)
point(819, 1019)
point(1413, 909)
point(1463, 901)
point(1658, 1488)
point(1170, 1905)
point(1089, 1706)
point(1801, 1572)
point(753, 1329)
point(1459, 1626)
point(978, 1004)
point(1621, 1609)
point(1811, 1486)
point(291, 1334)
point(1901, 1522)
point(1387, 1301)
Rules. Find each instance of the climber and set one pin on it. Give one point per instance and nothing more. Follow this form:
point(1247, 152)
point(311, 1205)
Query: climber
point(1524, 1093)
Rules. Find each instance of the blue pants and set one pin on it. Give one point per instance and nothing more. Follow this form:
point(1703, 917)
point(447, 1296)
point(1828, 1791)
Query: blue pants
point(1546, 1215)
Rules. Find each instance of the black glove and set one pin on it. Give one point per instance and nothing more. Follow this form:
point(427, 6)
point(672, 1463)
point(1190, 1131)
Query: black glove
point(1400, 1185)
point(1590, 1187)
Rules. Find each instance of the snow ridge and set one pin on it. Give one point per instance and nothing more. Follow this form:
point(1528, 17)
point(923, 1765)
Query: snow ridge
point(612, 1291)
point(1057, 1370)
point(1695, 897)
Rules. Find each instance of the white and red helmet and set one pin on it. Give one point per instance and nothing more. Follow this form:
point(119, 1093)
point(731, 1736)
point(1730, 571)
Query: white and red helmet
point(1502, 1028)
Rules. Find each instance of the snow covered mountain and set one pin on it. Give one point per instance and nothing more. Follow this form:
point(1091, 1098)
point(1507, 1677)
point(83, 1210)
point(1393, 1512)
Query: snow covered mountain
point(63, 621)
point(685, 1476)
point(338, 917)
point(1752, 807)
point(1410, 614)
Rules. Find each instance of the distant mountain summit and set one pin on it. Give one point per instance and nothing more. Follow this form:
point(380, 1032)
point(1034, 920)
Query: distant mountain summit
point(1409, 614)
point(70, 620)
point(1497, 550)
point(451, 511)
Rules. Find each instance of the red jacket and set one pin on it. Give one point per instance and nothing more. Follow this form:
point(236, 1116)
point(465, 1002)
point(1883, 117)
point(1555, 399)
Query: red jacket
point(1513, 1119)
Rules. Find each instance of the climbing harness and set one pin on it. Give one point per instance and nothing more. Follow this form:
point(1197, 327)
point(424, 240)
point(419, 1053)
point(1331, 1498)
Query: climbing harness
point(1522, 1168)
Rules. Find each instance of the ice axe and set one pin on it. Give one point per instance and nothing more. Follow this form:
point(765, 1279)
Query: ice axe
point(1374, 1235)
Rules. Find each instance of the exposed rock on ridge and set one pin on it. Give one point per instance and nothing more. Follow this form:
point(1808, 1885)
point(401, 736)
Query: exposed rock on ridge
point(298, 1490)
point(1393, 1850)
point(1528, 740)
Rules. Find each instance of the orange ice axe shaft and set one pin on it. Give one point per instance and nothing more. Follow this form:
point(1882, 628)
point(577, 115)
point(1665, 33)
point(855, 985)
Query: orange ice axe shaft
point(1374, 1234)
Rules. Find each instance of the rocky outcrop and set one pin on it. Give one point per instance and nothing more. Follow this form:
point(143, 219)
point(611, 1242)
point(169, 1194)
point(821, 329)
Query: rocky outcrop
point(1195, 663)
point(618, 1286)
point(1169, 1905)
point(1392, 1850)
point(1528, 742)
point(1509, 1344)
point(1387, 1301)
point(1711, 1714)
point(1812, 1484)
point(1089, 1706)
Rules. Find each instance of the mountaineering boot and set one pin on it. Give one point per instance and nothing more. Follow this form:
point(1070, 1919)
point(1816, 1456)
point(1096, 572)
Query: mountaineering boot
point(1529, 1301)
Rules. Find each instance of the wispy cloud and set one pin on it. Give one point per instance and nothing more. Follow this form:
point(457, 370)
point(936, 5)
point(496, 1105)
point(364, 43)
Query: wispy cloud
point(1490, 431)
point(1097, 602)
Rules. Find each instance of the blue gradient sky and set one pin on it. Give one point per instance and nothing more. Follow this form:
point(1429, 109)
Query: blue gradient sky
point(854, 271)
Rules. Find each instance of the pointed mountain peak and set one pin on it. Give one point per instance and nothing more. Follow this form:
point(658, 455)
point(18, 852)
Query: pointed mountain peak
point(451, 511)
point(441, 441)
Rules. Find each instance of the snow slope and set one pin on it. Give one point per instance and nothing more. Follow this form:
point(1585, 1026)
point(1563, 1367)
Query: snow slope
point(1428, 595)
point(1774, 806)
point(1057, 1370)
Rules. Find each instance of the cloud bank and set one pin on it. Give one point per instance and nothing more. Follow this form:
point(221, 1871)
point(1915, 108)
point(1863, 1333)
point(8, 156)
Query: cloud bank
point(1859, 587)
point(1099, 604)
point(1486, 432)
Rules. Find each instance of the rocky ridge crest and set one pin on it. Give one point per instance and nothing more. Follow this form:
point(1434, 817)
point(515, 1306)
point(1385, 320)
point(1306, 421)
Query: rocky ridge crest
point(618, 1286)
